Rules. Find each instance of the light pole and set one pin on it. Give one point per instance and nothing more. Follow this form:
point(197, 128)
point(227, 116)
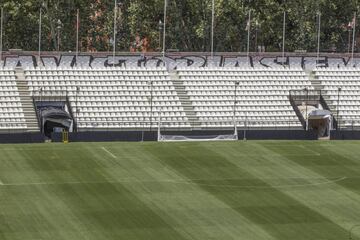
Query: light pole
point(212, 28)
point(151, 103)
point(77, 36)
point(306, 106)
point(248, 37)
point(353, 43)
point(256, 35)
point(337, 109)
point(161, 26)
point(349, 39)
point(77, 107)
point(284, 33)
point(114, 39)
point(164, 31)
point(319, 36)
point(1, 35)
point(59, 23)
point(235, 102)
point(40, 23)
point(245, 126)
point(235, 98)
point(143, 127)
point(40, 108)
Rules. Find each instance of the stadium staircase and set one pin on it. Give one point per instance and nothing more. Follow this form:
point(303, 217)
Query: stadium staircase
point(315, 83)
point(27, 103)
point(318, 86)
point(294, 103)
point(311, 98)
point(324, 98)
point(185, 100)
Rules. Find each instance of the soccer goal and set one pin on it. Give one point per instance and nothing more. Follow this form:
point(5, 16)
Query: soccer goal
point(192, 138)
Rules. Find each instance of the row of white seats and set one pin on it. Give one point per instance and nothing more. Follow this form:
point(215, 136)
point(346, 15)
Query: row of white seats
point(99, 88)
point(280, 112)
point(97, 82)
point(106, 125)
point(218, 82)
point(247, 108)
point(242, 78)
point(97, 79)
point(239, 89)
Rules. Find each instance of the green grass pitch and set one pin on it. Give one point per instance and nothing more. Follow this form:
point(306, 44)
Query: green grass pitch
point(259, 190)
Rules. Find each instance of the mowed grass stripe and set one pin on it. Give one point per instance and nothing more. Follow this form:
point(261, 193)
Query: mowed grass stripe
point(286, 210)
point(339, 159)
point(78, 210)
point(192, 222)
point(177, 191)
point(334, 193)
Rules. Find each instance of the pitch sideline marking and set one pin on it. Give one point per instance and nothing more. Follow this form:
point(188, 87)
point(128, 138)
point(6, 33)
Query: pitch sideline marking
point(265, 187)
point(108, 152)
point(182, 182)
point(1, 183)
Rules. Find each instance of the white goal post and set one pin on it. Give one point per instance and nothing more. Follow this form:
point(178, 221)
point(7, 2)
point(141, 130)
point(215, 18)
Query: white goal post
point(182, 138)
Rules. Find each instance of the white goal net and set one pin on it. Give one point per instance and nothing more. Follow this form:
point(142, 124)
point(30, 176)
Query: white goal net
point(179, 138)
point(193, 138)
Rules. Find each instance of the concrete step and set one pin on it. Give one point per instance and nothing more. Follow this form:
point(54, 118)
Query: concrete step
point(30, 115)
point(29, 106)
point(184, 99)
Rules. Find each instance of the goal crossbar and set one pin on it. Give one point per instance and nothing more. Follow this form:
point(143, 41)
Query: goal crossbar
point(199, 138)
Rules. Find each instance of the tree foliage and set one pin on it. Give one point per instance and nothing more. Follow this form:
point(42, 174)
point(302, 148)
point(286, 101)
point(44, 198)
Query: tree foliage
point(188, 25)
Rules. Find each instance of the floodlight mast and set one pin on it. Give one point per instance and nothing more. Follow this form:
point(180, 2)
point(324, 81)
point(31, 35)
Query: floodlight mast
point(353, 43)
point(151, 103)
point(39, 47)
point(114, 40)
point(212, 29)
point(1, 35)
point(248, 38)
point(319, 36)
point(236, 85)
point(77, 36)
point(337, 109)
point(284, 35)
point(164, 33)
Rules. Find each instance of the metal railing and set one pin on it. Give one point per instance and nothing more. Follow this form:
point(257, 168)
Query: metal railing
point(349, 125)
point(297, 111)
point(187, 125)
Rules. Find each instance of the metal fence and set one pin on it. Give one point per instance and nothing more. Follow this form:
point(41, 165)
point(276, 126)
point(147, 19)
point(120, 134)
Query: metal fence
point(188, 125)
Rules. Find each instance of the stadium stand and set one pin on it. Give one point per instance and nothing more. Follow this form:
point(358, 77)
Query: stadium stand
point(261, 95)
point(11, 111)
point(190, 92)
point(113, 98)
point(342, 89)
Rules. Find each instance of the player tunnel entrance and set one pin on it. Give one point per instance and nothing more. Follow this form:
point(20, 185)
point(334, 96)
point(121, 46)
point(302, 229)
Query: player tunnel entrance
point(54, 114)
point(55, 120)
point(320, 121)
